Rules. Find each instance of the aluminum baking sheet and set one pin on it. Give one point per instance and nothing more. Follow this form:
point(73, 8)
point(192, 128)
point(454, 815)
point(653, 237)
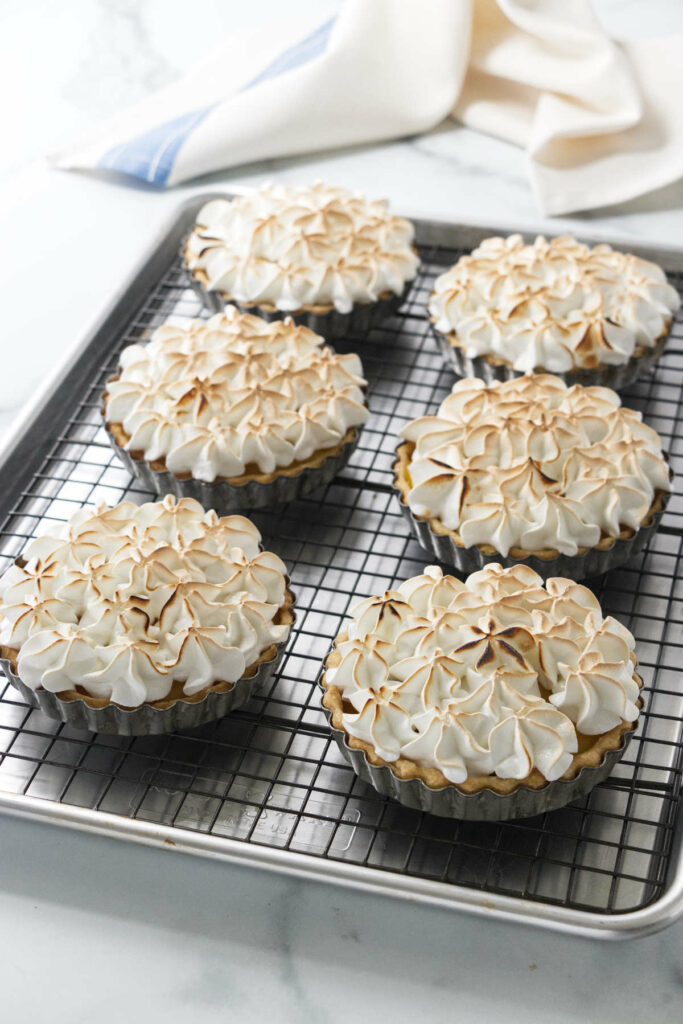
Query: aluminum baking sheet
point(266, 786)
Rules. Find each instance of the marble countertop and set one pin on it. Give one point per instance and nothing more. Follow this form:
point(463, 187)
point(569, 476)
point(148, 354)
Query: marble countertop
point(114, 928)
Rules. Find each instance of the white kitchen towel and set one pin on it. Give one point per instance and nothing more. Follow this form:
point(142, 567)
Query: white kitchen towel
point(601, 122)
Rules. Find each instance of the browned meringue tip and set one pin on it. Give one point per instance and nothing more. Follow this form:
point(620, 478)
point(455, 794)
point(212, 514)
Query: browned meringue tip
point(491, 370)
point(440, 542)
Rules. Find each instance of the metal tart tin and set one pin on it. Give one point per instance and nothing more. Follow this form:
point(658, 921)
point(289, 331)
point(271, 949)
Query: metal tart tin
point(486, 805)
point(224, 496)
point(615, 377)
point(593, 562)
point(147, 720)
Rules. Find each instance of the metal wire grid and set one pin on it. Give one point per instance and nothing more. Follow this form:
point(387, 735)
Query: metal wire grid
point(269, 773)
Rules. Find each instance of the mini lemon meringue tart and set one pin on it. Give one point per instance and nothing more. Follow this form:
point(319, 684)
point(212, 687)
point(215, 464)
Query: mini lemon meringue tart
point(592, 315)
point(565, 479)
point(331, 259)
point(235, 411)
point(144, 619)
point(494, 698)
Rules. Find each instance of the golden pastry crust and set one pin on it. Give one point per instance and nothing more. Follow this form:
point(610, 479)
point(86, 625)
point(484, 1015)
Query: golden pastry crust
point(403, 485)
point(591, 756)
point(285, 616)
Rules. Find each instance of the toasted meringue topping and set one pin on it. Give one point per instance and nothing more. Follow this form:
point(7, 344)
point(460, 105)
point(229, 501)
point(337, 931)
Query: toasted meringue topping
point(530, 463)
point(126, 601)
point(300, 247)
point(555, 305)
point(495, 675)
point(214, 397)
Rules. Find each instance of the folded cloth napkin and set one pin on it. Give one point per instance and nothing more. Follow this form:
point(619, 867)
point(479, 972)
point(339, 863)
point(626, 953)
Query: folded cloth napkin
point(601, 122)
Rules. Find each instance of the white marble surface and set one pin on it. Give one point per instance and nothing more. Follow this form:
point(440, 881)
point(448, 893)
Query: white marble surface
point(94, 929)
point(102, 931)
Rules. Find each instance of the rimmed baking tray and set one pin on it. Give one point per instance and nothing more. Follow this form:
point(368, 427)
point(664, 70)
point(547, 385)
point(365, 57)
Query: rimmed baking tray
point(266, 786)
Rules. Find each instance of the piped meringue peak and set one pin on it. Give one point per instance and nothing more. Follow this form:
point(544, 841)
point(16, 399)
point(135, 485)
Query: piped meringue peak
point(234, 395)
point(494, 676)
point(532, 465)
point(125, 602)
point(554, 305)
point(295, 248)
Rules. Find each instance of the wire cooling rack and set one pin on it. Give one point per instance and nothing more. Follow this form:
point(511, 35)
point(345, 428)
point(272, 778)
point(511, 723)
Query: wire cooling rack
point(268, 775)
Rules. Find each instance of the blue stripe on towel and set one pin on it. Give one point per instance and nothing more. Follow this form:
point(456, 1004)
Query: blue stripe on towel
point(151, 156)
point(295, 56)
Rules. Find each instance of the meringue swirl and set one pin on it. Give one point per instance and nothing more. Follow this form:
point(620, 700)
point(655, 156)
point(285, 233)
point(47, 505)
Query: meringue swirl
point(125, 602)
point(499, 675)
point(529, 463)
point(234, 395)
point(294, 248)
point(554, 305)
